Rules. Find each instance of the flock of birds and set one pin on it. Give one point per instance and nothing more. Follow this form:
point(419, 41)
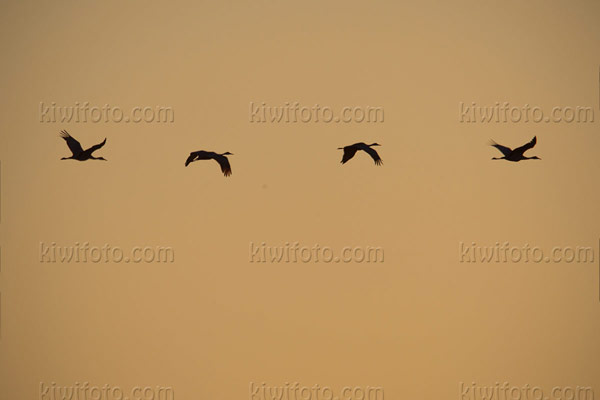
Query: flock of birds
point(349, 151)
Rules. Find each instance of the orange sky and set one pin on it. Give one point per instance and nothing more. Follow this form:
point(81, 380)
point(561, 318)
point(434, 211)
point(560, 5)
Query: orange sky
point(211, 322)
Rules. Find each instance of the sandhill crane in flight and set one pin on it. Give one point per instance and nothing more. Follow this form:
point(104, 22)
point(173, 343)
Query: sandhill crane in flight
point(209, 155)
point(516, 154)
point(78, 152)
point(349, 152)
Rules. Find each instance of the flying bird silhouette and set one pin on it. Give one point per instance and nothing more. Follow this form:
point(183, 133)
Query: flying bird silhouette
point(350, 151)
point(209, 155)
point(78, 152)
point(516, 154)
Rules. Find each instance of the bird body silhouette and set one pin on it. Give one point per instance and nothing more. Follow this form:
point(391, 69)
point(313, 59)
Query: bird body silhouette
point(78, 153)
point(350, 151)
point(209, 155)
point(516, 154)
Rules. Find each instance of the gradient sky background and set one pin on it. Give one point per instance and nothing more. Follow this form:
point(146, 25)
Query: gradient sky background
point(212, 322)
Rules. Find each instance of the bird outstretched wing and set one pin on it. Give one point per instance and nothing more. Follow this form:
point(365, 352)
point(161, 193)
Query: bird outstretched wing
point(190, 158)
point(224, 163)
point(527, 146)
point(349, 152)
point(373, 155)
point(97, 146)
point(503, 149)
point(73, 144)
point(195, 156)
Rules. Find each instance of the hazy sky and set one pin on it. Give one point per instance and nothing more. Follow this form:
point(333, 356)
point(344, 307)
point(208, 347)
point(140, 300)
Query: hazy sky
point(211, 322)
